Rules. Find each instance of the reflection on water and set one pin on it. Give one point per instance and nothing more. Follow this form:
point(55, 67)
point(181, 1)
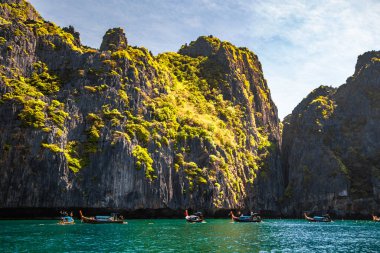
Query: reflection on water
point(217, 235)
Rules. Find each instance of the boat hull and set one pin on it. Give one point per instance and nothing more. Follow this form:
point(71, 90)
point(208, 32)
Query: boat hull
point(246, 220)
point(193, 220)
point(95, 221)
point(66, 223)
point(312, 220)
point(318, 218)
point(66, 220)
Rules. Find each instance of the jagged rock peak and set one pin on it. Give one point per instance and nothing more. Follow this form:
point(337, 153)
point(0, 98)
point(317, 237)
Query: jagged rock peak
point(203, 46)
point(72, 31)
point(366, 59)
point(25, 11)
point(322, 90)
point(114, 40)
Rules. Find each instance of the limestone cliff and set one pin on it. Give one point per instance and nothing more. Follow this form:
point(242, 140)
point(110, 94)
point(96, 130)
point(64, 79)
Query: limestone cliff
point(331, 146)
point(120, 128)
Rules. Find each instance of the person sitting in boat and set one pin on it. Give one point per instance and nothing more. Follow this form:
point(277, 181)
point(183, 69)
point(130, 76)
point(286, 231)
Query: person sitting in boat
point(199, 214)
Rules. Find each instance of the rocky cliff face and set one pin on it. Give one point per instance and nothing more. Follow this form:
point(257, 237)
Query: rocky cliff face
point(120, 128)
point(331, 146)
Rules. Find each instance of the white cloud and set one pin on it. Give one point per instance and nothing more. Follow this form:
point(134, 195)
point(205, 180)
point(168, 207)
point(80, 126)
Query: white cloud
point(322, 41)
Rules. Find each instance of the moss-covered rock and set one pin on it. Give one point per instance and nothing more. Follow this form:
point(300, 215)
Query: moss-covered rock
point(121, 128)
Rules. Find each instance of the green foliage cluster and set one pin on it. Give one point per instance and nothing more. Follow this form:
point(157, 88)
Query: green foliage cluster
point(192, 107)
point(110, 63)
point(53, 147)
point(4, 22)
point(57, 113)
point(74, 161)
point(113, 115)
point(123, 96)
point(30, 93)
point(95, 89)
point(194, 174)
point(325, 105)
point(139, 131)
point(2, 41)
point(143, 159)
point(96, 124)
point(138, 127)
point(117, 135)
point(43, 80)
point(188, 103)
point(33, 113)
point(17, 11)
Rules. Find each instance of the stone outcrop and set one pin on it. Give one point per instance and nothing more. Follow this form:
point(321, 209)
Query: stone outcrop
point(114, 40)
point(119, 128)
point(331, 146)
point(76, 34)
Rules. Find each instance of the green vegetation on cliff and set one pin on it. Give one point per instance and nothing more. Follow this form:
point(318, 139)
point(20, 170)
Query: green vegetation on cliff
point(200, 110)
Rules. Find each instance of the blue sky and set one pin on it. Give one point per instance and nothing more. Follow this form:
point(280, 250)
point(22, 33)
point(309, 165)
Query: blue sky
point(301, 44)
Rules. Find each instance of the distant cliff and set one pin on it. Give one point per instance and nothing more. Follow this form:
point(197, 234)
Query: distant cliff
point(331, 146)
point(121, 128)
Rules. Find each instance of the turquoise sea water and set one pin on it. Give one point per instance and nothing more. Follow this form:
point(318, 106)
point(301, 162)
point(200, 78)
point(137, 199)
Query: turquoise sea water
point(174, 235)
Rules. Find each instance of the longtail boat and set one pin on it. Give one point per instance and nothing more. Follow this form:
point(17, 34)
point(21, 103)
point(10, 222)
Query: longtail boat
point(113, 218)
point(254, 217)
point(197, 217)
point(323, 218)
point(375, 218)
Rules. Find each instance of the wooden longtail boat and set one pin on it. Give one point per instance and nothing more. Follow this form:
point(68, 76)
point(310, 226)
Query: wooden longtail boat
point(323, 218)
point(102, 219)
point(254, 217)
point(197, 217)
point(375, 218)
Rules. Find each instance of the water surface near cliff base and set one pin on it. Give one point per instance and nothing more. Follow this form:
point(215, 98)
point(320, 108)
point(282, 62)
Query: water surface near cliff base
point(169, 235)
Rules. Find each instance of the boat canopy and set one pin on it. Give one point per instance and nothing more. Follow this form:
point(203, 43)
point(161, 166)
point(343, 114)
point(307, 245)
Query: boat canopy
point(102, 217)
point(68, 218)
point(319, 218)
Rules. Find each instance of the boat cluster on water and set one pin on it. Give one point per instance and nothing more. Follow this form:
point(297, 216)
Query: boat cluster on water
point(197, 217)
point(99, 219)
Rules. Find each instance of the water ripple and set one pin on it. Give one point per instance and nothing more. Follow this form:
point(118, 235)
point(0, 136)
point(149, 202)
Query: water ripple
point(217, 235)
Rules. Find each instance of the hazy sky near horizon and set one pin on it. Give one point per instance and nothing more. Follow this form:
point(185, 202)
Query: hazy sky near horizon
point(301, 44)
